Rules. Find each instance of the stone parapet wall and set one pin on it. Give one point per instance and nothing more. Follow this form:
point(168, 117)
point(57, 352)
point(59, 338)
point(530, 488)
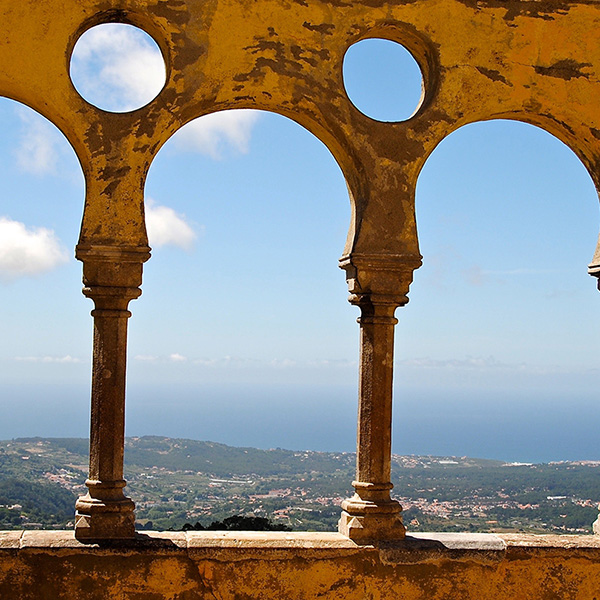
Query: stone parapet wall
point(529, 60)
point(289, 566)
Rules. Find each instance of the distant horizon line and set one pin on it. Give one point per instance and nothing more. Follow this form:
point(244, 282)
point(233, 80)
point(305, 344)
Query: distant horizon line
point(502, 462)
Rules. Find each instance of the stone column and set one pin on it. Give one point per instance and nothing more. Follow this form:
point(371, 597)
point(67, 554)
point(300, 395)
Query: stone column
point(111, 278)
point(371, 515)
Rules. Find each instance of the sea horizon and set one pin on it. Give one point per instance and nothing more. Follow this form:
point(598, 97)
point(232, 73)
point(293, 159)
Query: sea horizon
point(517, 428)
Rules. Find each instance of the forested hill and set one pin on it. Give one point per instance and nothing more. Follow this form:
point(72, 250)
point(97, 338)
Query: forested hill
point(177, 481)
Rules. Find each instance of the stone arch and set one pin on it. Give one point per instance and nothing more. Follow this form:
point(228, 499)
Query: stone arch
point(554, 125)
point(345, 160)
point(486, 60)
point(536, 224)
point(558, 129)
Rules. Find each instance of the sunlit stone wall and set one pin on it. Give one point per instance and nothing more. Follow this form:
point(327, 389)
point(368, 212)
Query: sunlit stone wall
point(299, 566)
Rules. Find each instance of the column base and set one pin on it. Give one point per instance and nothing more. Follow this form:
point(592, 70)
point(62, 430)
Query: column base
point(365, 522)
point(104, 519)
point(596, 524)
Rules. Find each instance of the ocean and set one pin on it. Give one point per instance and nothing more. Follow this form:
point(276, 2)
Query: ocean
point(516, 427)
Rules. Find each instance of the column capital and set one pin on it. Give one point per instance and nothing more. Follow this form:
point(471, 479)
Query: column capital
point(112, 274)
point(112, 266)
point(379, 279)
point(106, 252)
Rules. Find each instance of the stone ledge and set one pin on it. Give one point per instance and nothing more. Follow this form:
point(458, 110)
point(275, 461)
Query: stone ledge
point(525, 540)
point(10, 539)
point(459, 541)
point(316, 541)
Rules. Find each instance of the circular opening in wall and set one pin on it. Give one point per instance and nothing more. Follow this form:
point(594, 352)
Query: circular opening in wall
point(117, 67)
point(383, 80)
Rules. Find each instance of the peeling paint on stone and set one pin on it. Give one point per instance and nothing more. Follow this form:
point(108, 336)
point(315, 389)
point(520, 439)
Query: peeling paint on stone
point(494, 75)
point(565, 69)
point(531, 60)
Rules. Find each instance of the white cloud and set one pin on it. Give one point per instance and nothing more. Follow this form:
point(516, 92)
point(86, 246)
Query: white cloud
point(166, 227)
point(177, 357)
point(478, 363)
point(477, 276)
point(239, 362)
point(228, 361)
point(328, 364)
point(25, 252)
point(283, 363)
point(247, 363)
point(38, 148)
point(337, 363)
point(145, 358)
point(117, 67)
point(49, 359)
point(213, 133)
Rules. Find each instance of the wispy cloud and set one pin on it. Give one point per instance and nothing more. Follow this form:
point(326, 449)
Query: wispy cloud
point(149, 358)
point(558, 294)
point(436, 265)
point(229, 361)
point(488, 368)
point(213, 134)
point(474, 275)
point(522, 271)
point(477, 276)
point(468, 363)
point(242, 362)
point(117, 67)
point(28, 251)
point(167, 228)
point(145, 358)
point(49, 359)
point(37, 151)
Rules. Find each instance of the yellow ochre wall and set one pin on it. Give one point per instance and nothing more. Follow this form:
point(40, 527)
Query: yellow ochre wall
point(533, 60)
point(299, 566)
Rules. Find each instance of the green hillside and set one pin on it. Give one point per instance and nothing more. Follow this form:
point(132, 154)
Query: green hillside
point(175, 482)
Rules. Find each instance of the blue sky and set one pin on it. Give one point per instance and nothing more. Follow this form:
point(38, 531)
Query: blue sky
point(247, 216)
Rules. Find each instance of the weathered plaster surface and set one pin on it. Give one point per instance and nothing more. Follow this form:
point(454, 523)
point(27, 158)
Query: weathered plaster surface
point(529, 60)
point(533, 60)
point(228, 566)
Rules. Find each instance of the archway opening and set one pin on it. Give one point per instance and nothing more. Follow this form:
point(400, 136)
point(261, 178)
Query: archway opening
point(498, 347)
point(45, 327)
point(243, 335)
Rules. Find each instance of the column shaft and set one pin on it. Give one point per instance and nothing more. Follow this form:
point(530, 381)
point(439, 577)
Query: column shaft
point(108, 385)
point(375, 398)
point(371, 514)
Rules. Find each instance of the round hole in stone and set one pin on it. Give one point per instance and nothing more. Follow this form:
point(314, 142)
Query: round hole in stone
point(117, 67)
point(383, 80)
